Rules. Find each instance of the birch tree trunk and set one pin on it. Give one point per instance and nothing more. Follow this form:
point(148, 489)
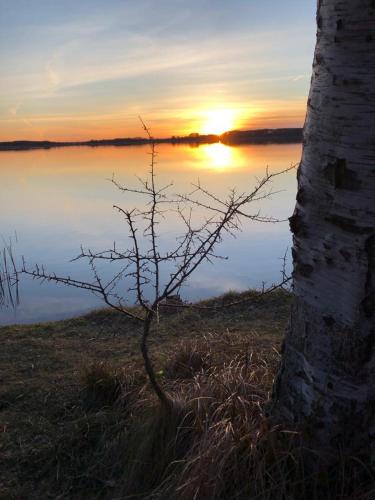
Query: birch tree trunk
point(326, 381)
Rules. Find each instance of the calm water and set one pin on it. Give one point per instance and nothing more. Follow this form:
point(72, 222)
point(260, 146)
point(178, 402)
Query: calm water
point(54, 201)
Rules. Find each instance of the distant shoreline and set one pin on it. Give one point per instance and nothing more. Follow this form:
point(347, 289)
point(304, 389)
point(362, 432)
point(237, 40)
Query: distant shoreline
point(232, 138)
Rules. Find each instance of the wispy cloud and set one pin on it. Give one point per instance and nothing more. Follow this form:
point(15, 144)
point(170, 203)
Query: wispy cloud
point(71, 66)
point(52, 75)
point(299, 77)
point(13, 110)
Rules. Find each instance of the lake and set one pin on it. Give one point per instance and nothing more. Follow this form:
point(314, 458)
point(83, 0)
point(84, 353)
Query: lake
point(53, 201)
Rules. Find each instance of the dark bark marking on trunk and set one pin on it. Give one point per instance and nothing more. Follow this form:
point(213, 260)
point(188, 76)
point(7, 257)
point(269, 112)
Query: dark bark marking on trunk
point(368, 303)
point(310, 105)
point(318, 9)
point(319, 60)
point(296, 224)
point(339, 24)
point(330, 262)
point(303, 269)
point(347, 224)
point(368, 349)
point(346, 254)
point(299, 167)
point(294, 254)
point(340, 176)
point(353, 81)
point(301, 196)
point(329, 321)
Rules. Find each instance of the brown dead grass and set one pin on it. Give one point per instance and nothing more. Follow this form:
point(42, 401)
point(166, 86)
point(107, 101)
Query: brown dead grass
point(78, 419)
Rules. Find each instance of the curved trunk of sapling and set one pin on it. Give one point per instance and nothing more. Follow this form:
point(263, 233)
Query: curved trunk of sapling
point(163, 398)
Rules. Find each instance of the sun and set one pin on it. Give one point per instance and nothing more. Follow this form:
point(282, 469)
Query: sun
point(218, 121)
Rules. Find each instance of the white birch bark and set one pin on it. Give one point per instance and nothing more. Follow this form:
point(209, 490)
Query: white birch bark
point(327, 377)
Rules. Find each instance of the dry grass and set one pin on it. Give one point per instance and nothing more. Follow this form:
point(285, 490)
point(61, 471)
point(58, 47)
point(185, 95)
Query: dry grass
point(190, 358)
point(88, 427)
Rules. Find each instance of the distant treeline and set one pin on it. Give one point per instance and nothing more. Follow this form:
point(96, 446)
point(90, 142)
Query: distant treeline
point(263, 136)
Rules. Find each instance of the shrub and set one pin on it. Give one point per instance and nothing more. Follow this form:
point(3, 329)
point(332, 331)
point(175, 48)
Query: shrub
point(104, 386)
point(188, 359)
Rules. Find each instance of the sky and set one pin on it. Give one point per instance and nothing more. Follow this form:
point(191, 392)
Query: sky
point(79, 70)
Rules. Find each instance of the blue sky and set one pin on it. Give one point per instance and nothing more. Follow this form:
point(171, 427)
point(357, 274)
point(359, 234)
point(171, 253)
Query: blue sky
point(82, 69)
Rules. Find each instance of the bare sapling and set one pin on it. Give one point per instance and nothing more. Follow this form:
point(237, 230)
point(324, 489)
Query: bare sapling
point(153, 275)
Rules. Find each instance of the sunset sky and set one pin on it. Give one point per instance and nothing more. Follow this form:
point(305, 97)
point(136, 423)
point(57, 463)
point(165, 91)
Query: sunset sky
point(85, 69)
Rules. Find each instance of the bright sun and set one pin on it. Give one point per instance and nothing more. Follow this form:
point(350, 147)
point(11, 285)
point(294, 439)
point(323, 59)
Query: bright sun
point(218, 121)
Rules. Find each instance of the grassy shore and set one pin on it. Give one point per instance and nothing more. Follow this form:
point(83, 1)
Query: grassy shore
point(78, 419)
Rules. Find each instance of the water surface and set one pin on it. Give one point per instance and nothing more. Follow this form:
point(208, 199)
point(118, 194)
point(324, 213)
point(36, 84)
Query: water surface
point(54, 200)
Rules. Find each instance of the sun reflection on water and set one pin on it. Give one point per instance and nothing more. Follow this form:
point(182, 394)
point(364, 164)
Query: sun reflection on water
point(217, 156)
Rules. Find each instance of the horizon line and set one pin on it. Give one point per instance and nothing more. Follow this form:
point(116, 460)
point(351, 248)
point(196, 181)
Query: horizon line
point(171, 138)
